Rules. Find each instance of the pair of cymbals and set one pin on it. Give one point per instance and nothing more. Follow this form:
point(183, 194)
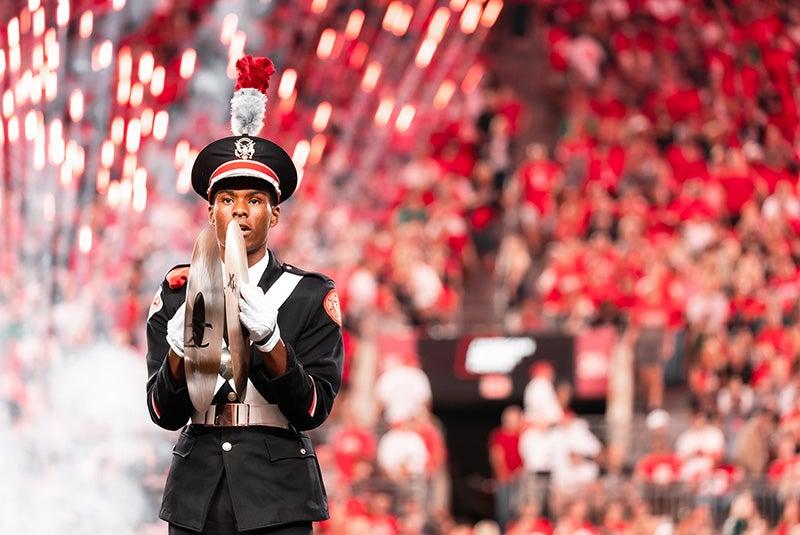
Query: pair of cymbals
point(212, 308)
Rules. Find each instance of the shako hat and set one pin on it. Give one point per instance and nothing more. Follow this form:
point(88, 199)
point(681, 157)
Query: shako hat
point(245, 160)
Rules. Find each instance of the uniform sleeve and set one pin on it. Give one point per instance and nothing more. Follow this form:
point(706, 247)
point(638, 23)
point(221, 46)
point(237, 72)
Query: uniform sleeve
point(168, 402)
point(305, 392)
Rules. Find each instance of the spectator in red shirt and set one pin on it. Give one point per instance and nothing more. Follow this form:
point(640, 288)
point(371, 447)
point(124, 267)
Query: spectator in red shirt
point(506, 463)
point(661, 466)
point(352, 444)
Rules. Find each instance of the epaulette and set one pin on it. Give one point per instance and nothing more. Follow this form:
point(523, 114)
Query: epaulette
point(297, 271)
point(177, 276)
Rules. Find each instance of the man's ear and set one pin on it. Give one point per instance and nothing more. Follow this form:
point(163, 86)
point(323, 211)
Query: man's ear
point(276, 216)
point(211, 214)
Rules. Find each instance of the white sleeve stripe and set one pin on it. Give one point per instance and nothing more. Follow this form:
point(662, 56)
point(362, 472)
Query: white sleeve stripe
point(313, 408)
point(153, 404)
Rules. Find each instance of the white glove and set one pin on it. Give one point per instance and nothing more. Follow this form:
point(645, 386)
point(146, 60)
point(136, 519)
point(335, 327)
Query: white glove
point(175, 330)
point(260, 316)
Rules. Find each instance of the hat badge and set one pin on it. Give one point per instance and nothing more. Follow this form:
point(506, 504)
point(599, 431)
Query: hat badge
point(245, 148)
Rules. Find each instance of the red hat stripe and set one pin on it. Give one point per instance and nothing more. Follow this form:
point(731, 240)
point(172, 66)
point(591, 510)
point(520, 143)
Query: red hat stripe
point(245, 168)
point(243, 164)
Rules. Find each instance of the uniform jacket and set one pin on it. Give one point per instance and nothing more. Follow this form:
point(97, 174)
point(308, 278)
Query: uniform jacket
point(272, 473)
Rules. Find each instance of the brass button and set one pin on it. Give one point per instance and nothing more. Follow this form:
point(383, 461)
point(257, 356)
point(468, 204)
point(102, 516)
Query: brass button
point(226, 446)
point(302, 451)
point(231, 396)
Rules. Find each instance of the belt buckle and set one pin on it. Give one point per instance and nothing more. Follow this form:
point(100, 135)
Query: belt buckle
point(232, 414)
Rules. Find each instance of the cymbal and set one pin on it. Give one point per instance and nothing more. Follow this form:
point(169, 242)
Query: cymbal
point(205, 320)
point(235, 274)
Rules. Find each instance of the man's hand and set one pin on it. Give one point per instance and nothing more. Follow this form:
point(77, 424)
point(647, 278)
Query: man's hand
point(175, 331)
point(260, 316)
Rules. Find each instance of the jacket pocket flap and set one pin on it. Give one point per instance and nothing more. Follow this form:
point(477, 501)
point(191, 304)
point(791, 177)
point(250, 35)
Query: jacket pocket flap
point(183, 446)
point(288, 448)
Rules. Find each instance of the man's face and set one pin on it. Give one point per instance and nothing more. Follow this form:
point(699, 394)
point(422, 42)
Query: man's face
point(251, 209)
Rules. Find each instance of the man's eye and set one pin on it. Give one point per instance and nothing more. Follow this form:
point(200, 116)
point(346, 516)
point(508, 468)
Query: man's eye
point(255, 201)
point(227, 200)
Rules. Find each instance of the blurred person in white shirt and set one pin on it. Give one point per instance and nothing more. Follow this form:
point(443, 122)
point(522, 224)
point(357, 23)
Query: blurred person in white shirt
point(699, 447)
point(573, 434)
point(403, 389)
point(540, 399)
point(402, 453)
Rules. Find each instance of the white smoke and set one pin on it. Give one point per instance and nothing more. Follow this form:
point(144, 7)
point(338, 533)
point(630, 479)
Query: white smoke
point(89, 459)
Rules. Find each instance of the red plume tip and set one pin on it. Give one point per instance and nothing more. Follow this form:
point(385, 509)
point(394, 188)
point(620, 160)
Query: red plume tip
point(254, 72)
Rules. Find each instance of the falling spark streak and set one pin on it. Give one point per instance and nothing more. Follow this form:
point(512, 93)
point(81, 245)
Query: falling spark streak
point(181, 153)
point(124, 62)
point(157, 83)
point(354, 24)
point(384, 111)
point(187, 63)
point(147, 121)
point(317, 148)
point(371, 75)
point(490, 12)
point(129, 165)
point(321, 117)
point(146, 65)
point(13, 129)
point(471, 17)
point(103, 178)
point(38, 22)
point(160, 124)
point(301, 151)
point(326, 41)
point(438, 24)
point(318, 6)
point(85, 239)
point(137, 94)
point(117, 130)
point(443, 94)
point(14, 58)
point(86, 24)
point(133, 136)
point(123, 91)
point(229, 24)
point(62, 12)
point(107, 153)
point(425, 53)
point(76, 105)
point(287, 83)
point(12, 32)
point(101, 55)
point(405, 117)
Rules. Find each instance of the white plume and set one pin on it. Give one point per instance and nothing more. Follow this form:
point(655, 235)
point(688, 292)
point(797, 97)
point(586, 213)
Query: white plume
point(248, 106)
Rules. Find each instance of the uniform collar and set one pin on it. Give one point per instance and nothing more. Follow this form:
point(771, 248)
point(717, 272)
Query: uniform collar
point(256, 271)
point(266, 271)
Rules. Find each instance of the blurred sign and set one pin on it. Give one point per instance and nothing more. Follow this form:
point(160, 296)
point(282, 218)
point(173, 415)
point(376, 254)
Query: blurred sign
point(592, 361)
point(469, 370)
point(497, 355)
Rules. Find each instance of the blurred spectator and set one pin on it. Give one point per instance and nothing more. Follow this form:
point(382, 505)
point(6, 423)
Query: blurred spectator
point(402, 454)
point(504, 455)
point(699, 447)
point(403, 389)
point(752, 450)
point(541, 402)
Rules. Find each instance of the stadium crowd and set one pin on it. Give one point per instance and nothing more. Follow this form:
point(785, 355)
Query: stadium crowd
point(667, 206)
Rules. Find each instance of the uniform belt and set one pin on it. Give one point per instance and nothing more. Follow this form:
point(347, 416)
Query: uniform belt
point(241, 414)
